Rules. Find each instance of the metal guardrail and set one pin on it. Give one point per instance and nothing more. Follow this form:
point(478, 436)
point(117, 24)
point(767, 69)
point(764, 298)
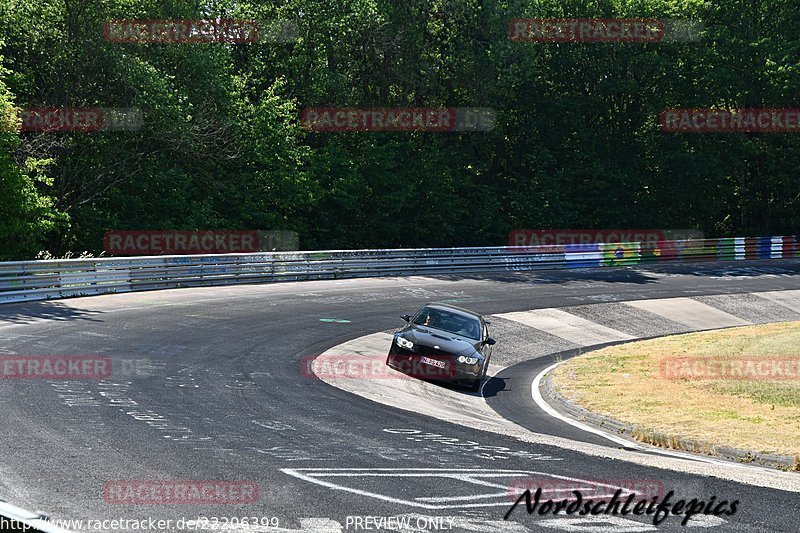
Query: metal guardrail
point(40, 280)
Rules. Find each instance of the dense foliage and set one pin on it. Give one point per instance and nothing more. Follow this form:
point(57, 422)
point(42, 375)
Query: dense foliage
point(577, 142)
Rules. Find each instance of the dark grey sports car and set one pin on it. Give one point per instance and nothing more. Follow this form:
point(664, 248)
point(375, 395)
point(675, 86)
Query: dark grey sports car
point(443, 342)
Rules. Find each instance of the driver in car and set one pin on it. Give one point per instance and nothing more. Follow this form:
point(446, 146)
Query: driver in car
point(470, 329)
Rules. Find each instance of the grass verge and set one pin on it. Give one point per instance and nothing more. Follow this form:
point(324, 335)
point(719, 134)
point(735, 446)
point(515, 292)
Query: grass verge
point(632, 383)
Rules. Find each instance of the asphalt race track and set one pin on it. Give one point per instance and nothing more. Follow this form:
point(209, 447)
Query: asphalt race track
point(207, 385)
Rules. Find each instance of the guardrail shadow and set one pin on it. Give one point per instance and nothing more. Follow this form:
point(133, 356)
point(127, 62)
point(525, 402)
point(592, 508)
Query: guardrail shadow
point(24, 313)
point(555, 277)
point(640, 273)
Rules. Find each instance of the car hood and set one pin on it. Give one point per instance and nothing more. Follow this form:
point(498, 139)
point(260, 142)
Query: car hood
point(446, 342)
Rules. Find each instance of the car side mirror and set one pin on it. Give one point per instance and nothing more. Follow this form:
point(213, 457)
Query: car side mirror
point(490, 341)
point(407, 318)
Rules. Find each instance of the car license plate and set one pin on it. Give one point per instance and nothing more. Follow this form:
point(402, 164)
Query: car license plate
point(433, 362)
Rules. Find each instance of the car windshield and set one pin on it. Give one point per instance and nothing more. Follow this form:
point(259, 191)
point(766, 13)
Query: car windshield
point(457, 324)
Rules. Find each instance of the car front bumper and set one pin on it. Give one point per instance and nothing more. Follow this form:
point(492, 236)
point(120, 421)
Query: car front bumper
point(445, 368)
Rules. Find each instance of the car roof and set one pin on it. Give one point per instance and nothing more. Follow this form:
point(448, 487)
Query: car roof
point(454, 309)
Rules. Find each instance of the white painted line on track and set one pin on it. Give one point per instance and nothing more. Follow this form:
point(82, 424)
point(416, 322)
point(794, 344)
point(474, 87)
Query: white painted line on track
point(469, 477)
point(567, 326)
point(544, 406)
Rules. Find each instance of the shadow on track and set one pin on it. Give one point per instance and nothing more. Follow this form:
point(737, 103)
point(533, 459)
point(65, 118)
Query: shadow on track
point(643, 273)
point(27, 312)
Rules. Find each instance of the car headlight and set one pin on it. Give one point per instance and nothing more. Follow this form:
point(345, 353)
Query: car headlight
point(467, 360)
point(403, 343)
